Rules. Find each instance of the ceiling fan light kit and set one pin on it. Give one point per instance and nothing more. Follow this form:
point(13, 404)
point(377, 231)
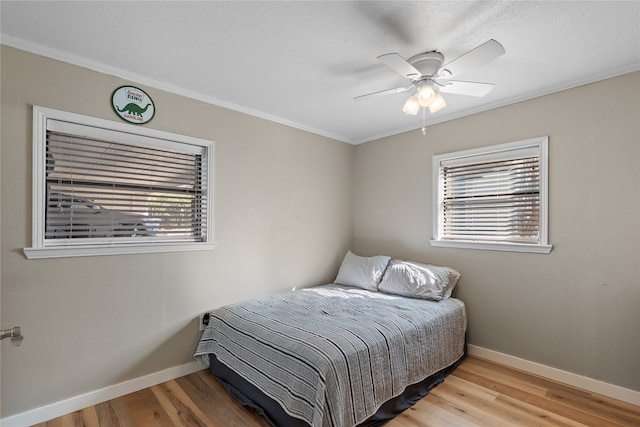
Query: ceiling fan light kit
point(437, 104)
point(411, 105)
point(426, 97)
point(429, 77)
point(426, 94)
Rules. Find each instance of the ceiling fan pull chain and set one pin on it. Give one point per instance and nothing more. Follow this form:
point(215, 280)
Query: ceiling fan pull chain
point(424, 127)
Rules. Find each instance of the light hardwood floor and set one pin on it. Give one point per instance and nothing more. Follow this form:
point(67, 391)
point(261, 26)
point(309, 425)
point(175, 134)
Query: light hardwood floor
point(477, 393)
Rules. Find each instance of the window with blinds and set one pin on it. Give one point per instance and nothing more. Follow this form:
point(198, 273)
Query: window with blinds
point(103, 187)
point(492, 198)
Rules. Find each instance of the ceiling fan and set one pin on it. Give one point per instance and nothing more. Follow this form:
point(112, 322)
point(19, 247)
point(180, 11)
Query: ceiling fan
point(429, 77)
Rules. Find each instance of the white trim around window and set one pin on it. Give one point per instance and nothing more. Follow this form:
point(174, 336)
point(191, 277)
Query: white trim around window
point(93, 176)
point(493, 198)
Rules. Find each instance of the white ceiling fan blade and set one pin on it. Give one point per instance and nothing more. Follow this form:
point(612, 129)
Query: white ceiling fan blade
point(383, 92)
point(483, 54)
point(400, 65)
point(466, 88)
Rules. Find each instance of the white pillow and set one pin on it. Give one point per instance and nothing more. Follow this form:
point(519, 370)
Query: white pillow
point(362, 272)
point(415, 280)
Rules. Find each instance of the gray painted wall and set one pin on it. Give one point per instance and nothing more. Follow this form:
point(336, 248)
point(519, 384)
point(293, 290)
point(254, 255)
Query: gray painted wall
point(283, 218)
point(577, 308)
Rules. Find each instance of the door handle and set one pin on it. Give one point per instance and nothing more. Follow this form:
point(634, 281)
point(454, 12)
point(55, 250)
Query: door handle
point(14, 333)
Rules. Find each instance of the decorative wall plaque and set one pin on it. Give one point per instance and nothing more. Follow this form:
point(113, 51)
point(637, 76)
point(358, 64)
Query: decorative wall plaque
point(133, 104)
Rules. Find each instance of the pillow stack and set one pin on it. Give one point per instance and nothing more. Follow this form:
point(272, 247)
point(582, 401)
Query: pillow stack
point(398, 277)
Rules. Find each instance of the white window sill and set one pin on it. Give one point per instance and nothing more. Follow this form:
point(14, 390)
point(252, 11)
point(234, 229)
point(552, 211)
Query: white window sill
point(95, 250)
point(487, 246)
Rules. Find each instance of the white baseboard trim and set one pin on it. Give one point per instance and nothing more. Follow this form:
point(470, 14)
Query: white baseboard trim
point(76, 403)
point(575, 380)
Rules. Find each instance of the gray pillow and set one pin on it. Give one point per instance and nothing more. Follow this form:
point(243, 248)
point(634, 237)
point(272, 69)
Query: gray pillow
point(415, 280)
point(362, 272)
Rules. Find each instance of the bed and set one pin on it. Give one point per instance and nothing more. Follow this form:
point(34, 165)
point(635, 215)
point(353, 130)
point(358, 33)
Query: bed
point(352, 353)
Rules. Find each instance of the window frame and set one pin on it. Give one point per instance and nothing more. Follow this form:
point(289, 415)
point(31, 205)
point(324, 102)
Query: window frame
point(42, 249)
point(494, 152)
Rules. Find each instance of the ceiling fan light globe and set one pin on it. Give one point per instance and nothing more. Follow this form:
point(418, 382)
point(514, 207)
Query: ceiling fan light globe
point(411, 105)
point(437, 104)
point(426, 95)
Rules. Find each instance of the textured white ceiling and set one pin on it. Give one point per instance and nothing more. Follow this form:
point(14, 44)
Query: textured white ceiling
point(301, 63)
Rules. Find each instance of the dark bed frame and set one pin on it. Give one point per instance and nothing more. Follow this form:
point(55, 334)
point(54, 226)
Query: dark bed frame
point(250, 396)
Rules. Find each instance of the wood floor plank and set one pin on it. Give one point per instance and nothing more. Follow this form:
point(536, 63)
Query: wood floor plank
point(219, 412)
point(533, 400)
point(84, 418)
point(531, 415)
point(506, 376)
point(473, 408)
point(108, 415)
point(478, 393)
point(202, 396)
point(478, 412)
point(146, 410)
point(439, 415)
point(470, 389)
point(89, 417)
point(602, 407)
point(180, 409)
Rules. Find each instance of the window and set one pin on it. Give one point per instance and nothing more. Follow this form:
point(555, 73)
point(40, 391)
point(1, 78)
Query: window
point(102, 187)
point(492, 198)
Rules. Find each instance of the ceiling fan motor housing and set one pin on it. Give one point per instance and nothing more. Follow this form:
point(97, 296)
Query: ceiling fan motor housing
point(428, 63)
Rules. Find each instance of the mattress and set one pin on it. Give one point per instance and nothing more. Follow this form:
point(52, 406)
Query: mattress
point(333, 355)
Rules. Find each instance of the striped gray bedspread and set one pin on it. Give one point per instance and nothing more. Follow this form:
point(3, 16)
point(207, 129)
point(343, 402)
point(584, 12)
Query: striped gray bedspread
point(331, 355)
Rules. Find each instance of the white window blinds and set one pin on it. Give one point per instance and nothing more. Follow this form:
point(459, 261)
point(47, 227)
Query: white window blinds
point(104, 189)
point(493, 197)
point(492, 201)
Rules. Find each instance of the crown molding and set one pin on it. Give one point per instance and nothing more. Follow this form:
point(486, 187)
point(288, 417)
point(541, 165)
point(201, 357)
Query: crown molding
point(100, 67)
point(169, 87)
